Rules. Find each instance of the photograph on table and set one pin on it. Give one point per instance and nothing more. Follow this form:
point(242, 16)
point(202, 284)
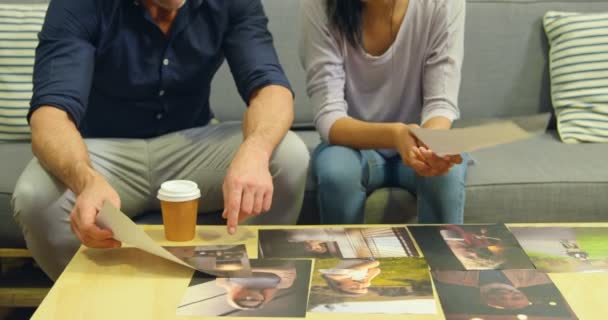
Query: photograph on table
point(564, 249)
point(220, 260)
point(500, 295)
point(372, 286)
point(276, 288)
point(346, 243)
point(470, 247)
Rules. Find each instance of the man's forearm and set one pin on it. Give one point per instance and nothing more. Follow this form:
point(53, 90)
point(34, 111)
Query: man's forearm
point(60, 148)
point(268, 118)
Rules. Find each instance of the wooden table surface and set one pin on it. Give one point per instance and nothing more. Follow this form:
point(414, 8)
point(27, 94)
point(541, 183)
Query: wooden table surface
point(130, 284)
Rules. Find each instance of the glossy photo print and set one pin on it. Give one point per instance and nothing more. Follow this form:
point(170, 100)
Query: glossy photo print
point(276, 288)
point(562, 249)
point(345, 243)
point(500, 295)
point(470, 247)
point(221, 260)
point(372, 286)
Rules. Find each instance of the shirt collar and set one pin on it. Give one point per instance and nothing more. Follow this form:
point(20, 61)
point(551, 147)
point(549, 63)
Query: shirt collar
point(197, 3)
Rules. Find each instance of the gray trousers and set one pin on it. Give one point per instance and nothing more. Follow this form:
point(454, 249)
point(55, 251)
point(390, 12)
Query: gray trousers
point(135, 168)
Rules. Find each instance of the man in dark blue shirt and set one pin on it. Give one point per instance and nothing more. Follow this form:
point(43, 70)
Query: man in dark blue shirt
point(141, 71)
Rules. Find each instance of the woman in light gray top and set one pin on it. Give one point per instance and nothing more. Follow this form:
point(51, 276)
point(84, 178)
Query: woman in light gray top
point(375, 69)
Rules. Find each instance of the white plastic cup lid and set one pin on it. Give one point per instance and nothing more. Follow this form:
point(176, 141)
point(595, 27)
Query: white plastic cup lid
point(178, 191)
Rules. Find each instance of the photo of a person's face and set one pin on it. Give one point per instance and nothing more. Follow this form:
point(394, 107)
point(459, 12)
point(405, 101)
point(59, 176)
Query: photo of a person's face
point(315, 246)
point(259, 289)
point(503, 296)
point(251, 298)
point(276, 288)
point(499, 295)
point(241, 296)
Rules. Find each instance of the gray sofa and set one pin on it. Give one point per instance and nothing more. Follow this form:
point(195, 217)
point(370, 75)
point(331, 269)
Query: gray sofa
point(505, 74)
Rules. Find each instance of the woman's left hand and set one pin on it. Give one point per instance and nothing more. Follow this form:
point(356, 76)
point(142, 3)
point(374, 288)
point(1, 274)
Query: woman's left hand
point(436, 165)
point(439, 165)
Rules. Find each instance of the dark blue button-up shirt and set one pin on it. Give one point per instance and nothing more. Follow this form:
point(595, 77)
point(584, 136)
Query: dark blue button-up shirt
point(109, 66)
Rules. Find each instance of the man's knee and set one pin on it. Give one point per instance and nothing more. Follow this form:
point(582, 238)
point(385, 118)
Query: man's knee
point(290, 160)
point(35, 192)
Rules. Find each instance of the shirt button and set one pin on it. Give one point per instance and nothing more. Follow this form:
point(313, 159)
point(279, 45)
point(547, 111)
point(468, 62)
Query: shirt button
point(166, 62)
point(159, 116)
point(161, 93)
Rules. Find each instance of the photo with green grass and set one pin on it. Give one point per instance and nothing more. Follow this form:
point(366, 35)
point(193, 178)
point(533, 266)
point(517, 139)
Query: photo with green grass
point(556, 249)
point(372, 286)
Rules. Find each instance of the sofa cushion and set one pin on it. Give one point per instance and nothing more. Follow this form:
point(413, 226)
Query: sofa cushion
point(505, 70)
point(540, 160)
point(10, 233)
point(538, 180)
point(19, 27)
point(284, 24)
point(13, 159)
point(579, 80)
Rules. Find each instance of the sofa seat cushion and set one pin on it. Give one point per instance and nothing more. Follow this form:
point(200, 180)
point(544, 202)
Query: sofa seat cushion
point(538, 180)
point(541, 160)
point(13, 159)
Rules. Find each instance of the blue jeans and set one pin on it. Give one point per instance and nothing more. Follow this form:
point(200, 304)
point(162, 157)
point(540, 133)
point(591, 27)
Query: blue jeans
point(346, 176)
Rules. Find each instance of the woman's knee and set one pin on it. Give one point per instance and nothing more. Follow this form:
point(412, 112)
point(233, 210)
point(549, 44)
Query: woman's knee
point(337, 166)
point(450, 183)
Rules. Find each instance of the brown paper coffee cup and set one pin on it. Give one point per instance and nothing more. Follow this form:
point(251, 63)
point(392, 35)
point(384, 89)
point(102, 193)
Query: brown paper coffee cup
point(179, 204)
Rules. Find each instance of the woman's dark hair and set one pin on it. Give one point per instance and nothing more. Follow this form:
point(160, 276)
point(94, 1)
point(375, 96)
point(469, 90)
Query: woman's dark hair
point(346, 16)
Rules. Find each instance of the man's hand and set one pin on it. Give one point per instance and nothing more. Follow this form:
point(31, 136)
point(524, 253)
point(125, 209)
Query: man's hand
point(88, 203)
point(248, 186)
point(418, 157)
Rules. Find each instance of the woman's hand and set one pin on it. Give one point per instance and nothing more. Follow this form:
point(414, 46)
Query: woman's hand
point(418, 157)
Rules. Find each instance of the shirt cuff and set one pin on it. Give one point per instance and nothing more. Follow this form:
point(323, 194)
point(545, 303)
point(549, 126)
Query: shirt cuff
point(445, 111)
point(325, 121)
point(264, 82)
point(70, 106)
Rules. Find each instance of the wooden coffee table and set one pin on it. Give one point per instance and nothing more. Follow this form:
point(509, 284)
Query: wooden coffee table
point(129, 284)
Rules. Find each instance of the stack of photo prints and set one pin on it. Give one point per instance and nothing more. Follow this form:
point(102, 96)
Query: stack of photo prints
point(485, 272)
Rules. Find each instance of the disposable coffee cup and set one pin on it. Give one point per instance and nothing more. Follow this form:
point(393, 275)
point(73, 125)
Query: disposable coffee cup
point(179, 204)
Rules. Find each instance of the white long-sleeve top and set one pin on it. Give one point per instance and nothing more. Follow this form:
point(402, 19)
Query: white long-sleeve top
point(416, 79)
